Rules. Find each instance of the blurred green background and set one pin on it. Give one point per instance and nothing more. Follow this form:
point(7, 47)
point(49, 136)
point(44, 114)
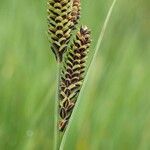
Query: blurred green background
point(114, 113)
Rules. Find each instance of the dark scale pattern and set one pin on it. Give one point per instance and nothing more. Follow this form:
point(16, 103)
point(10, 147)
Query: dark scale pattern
point(72, 75)
point(59, 26)
point(75, 13)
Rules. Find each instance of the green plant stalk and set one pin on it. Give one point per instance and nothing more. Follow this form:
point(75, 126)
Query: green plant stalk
point(57, 135)
point(91, 66)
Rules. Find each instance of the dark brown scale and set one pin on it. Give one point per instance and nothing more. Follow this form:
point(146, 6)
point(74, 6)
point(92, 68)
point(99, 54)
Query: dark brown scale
point(81, 50)
point(52, 18)
point(76, 62)
point(78, 68)
point(66, 103)
point(68, 76)
point(62, 78)
point(67, 39)
point(67, 92)
point(51, 31)
point(67, 82)
point(74, 88)
point(70, 108)
point(68, 64)
point(63, 49)
point(74, 80)
point(69, 70)
point(82, 62)
point(60, 56)
point(77, 38)
point(74, 96)
point(83, 56)
point(82, 72)
point(51, 3)
point(54, 38)
point(64, 10)
point(52, 24)
point(69, 59)
point(55, 13)
point(55, 46)
point(63, 87)
point(77, 44)
point(82, 67)
point(54, 52)
point(75, 75)
point(61, 96)
point(63, 113)
point(63, 4)
point(63, 42)
point(76, 51)
point(65, 31)
point(62, 125)
point(57, 20)
point(68, 116)
point(59, 35)
point(57, 7)
point(59, 28)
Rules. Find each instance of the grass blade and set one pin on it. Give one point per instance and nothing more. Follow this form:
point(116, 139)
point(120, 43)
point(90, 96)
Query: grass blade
point(89, 68)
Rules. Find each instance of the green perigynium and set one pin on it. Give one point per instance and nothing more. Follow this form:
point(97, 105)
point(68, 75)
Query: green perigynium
point(72, 75)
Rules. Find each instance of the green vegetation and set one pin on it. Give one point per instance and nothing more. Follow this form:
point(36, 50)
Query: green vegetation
point(115, 108)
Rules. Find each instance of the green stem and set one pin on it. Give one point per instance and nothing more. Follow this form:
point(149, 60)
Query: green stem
point(57, 135)
point(91, 66)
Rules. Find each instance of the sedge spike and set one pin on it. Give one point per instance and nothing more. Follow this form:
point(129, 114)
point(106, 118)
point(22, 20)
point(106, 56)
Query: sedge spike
point(59, 26)
point(75, 13)
point(72, 75)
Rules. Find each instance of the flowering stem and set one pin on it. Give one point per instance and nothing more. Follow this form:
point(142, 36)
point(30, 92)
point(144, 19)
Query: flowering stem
point(57, 135)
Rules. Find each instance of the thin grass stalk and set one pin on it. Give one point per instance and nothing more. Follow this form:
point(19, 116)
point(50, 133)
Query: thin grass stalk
point(91, 66)
point(57, 137)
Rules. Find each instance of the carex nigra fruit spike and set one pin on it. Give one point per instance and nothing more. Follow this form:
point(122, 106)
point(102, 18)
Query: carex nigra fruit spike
point(72, 75)
point(59, 26)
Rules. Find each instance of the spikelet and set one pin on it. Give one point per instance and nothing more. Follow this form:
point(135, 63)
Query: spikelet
point(59, 26)
point(75, 13)
point(72, 75)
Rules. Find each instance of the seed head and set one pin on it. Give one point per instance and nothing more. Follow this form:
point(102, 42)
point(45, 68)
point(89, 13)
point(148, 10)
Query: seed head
point(59, 26)
point(72, 75)
point(75, 13)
